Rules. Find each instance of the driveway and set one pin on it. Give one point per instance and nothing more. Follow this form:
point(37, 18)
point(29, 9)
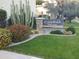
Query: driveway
point(11, 55)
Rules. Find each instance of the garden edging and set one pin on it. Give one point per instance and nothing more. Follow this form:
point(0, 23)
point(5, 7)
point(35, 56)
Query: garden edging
point(34, 36)
point(31, 37)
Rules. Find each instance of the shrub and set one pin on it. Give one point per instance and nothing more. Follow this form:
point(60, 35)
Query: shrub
point(19, 32)
point(39, 2)
point(5, 38)
point(3, 16)
point(72, 29)
point(56, 32)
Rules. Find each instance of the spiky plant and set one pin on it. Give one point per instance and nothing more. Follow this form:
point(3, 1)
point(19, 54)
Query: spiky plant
point(22, 14)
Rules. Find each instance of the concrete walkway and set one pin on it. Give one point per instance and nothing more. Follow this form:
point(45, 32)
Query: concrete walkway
point(11, 55)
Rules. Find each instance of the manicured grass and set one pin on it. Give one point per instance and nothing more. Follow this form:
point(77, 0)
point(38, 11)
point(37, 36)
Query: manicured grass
point(51, 47)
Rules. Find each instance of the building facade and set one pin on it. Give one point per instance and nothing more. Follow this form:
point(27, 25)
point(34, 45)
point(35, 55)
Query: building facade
point(41, 10)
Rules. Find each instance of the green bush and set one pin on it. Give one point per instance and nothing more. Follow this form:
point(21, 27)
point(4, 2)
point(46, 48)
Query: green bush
point(3, 14)
point(72, 29)
point(39, 2)
point(5, 38)
point(19, 32)
point(56, 32)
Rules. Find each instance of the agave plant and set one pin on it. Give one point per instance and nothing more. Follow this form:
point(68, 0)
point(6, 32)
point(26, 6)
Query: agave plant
point(22, 14)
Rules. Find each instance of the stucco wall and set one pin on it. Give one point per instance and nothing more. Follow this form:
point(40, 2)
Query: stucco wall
point(6, 5)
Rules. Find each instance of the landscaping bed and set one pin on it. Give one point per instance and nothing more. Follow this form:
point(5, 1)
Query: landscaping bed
point(51, 47)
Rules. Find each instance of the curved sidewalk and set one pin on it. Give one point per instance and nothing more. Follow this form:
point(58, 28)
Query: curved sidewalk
point(11, 55)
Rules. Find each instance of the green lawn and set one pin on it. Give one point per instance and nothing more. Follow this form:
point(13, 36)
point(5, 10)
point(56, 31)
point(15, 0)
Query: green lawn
point(51, 47)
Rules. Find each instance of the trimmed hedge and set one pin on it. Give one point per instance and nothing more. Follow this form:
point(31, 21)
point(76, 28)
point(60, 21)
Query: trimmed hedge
point(56, 32)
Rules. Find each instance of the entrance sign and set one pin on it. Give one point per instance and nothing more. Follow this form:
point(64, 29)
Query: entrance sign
point(46, 26)
point(53, 22)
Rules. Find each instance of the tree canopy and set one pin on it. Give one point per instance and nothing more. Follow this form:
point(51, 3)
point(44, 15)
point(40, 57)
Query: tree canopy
point(39, 2)
point(67, 10)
